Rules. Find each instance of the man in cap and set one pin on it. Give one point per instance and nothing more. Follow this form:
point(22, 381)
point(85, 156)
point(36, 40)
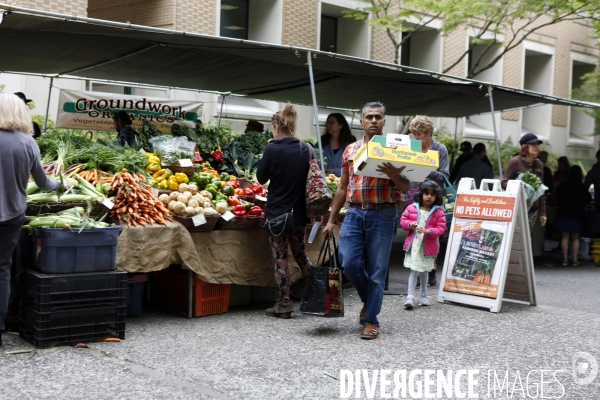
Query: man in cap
point(466, 155)
point(37, 132)
point(254, 126)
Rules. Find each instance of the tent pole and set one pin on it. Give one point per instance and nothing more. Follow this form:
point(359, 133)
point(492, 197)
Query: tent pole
point(490, 88)
point(316, 111)
point(220, 113)
point(454, 152)
point(48, 104)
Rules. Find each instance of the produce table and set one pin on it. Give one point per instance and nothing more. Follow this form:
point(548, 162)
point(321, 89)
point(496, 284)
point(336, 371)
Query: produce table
point(221, 256)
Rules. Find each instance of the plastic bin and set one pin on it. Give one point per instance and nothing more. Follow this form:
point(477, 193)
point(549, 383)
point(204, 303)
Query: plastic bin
point(170, 291)
point(240, 295)
point(264, 294)
point(135, 294)
point(62, 327)
point(45, 293)
point(64, 251)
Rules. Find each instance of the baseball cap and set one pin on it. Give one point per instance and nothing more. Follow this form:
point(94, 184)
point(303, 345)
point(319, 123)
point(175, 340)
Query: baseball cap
point(254, 125)
point(465, 146)
point(22, 96)
point(529, 138)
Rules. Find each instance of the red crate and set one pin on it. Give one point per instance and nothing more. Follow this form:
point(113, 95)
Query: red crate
point(170, 291)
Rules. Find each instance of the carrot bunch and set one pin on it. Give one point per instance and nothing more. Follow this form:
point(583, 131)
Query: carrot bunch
point(480, 277)
point(134, 203)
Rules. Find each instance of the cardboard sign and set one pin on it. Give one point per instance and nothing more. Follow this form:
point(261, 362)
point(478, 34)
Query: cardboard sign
point(488, 257)
point(407, 153)
point(492, 208)
point(199, 219)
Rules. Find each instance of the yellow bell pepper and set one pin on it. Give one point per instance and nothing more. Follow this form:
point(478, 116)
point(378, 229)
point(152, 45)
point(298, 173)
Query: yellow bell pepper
point(153, 167)
point(181, 177)
point(164, 184)
point(173, 184)
point(161, 175)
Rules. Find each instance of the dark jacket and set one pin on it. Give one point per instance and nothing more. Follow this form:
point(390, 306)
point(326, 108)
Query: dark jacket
point(285, 164)
point(127, 135)
point(571, 200)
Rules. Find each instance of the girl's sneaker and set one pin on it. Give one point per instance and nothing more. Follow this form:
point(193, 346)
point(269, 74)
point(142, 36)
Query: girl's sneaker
point(565, 263)
point(424, 300)
point(409, 303)
point(576, 263)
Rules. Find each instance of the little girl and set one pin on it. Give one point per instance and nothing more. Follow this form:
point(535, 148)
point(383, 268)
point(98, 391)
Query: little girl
point(425, 221)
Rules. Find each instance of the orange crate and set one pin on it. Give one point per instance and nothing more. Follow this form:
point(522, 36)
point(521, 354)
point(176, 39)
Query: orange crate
point(170, 291)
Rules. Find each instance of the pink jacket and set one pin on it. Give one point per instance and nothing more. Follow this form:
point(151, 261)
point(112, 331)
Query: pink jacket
point(436, 223)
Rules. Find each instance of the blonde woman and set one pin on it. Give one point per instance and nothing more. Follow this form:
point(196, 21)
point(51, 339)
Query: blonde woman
point(285, 165)
point(19, 157)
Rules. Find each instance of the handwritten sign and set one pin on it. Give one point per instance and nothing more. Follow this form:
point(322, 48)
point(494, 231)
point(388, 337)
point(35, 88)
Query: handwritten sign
point(227, 216)
point(494, 208)
point(108, 204)
point(185, 162)
point(199, 219)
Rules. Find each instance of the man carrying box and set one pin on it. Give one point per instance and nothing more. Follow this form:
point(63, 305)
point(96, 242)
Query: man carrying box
point(371, 222)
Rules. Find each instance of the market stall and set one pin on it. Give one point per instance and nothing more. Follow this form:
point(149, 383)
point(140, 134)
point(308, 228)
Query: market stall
point(221, 256)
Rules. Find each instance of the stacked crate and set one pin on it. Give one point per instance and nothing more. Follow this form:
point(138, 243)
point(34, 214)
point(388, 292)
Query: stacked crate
point(75, 294)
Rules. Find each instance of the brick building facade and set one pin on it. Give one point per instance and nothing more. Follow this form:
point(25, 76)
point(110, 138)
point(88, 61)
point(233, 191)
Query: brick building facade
point(550, 61)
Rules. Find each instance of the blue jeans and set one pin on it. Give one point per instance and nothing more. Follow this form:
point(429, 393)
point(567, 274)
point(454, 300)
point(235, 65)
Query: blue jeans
point(366, 240)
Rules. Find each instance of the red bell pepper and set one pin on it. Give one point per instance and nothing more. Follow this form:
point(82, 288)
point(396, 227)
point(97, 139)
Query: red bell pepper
point(255, 210)
point(248, 192)
point(233, 200)
point(234, 184)
point(239, 210)
point(217, 155)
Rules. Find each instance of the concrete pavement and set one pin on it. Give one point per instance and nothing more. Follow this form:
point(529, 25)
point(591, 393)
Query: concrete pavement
point(244, 354)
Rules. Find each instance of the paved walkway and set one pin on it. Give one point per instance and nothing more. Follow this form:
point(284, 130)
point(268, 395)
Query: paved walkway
point(244, 354)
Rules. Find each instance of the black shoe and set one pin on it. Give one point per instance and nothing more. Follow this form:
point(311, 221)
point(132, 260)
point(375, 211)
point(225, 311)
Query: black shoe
point(432, 283)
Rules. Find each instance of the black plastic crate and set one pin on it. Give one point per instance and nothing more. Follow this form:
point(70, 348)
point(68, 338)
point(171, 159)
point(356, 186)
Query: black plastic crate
point(45, 322)
point(47, 293)
point(67, 251)
point(73, 335)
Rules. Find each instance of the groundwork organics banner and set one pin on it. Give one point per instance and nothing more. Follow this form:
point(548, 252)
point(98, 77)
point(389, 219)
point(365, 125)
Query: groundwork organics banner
point(94, 110)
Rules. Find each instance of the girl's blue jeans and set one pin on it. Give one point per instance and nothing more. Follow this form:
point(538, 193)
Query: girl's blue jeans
point(364, 251)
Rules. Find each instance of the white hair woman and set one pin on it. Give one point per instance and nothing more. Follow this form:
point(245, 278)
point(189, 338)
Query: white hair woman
point(19, 157)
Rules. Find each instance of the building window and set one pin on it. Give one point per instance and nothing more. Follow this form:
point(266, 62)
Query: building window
point(422, 49)
point(538, 78)
point(342, 35)
point(329, 26)
point(581, 127)
point(234, 18)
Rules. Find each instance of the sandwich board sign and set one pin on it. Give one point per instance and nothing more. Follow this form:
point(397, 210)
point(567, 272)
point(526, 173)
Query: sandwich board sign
point(489, 256)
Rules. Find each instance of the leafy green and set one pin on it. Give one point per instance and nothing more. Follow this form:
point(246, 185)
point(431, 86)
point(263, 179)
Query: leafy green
point(254, 142)
point(113, 158)
point(207, 137)
point(61, 141)
point(240, 161)
point(532, 180)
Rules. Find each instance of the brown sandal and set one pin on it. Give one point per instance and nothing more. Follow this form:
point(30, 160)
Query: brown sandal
point(370, 332)
point(363, 314)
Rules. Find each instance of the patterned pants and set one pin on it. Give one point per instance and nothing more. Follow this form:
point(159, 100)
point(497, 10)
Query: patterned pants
point(279, 247)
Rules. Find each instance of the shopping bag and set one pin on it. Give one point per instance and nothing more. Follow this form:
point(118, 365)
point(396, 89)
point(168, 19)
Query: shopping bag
point(323, 294)
point(449, 194)
point(318, 195)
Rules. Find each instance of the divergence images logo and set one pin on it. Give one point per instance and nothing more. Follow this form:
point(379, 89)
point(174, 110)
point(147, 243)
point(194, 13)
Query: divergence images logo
point(584, 368)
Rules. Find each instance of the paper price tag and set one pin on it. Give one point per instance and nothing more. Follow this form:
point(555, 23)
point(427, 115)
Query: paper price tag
point(199, 219)
point(185, 163)
point(260, 198)
point(228, 216)
point(108, 204)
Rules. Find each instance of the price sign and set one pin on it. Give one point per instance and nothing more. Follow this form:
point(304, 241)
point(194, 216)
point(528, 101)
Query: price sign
point(227, 216)
point(199, 219)
point(108, 204)
point(185, 163)
point(257, 197)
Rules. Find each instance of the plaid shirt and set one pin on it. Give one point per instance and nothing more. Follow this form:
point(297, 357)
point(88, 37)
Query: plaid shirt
point(127, 135)
point(365, 189)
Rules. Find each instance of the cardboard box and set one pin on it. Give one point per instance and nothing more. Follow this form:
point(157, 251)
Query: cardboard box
point(407, 153)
